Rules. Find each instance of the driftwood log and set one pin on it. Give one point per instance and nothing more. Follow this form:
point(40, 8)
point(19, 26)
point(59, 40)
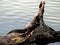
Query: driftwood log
point(35, 33)
point(6, 41)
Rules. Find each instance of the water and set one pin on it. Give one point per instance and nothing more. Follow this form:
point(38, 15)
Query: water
point(15, 14)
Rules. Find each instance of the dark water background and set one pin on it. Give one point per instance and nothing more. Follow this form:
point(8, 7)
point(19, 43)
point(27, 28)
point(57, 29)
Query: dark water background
point(15, 14)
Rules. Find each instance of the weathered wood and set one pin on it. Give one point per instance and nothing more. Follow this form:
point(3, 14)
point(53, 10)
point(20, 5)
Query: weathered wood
point(35, 33)
point(6, 41)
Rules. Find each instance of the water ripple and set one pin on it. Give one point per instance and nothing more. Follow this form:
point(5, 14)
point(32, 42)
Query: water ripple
point(17, 13)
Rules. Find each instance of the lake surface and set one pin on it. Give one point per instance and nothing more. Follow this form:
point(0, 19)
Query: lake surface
point(15, 14)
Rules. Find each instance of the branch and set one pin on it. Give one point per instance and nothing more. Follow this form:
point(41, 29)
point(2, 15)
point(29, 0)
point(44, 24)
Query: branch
point(46, 38)
point(35, 33)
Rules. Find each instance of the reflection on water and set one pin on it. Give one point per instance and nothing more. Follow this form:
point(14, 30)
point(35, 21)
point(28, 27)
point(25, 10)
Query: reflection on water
point(16, 14)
